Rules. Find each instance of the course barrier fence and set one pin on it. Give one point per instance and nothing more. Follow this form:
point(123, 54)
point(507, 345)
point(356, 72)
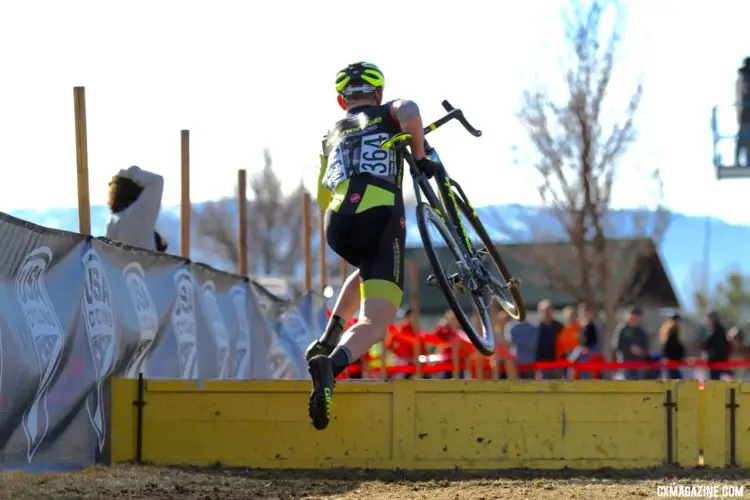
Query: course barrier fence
point(76, 310)
point(423, 424)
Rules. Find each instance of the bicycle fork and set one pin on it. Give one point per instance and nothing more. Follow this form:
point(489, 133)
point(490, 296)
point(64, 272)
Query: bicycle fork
point(467, 278)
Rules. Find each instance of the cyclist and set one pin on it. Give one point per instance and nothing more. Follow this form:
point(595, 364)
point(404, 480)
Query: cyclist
point(360, 190)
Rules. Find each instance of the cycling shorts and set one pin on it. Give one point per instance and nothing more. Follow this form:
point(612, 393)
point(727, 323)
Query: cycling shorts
point(365, 226)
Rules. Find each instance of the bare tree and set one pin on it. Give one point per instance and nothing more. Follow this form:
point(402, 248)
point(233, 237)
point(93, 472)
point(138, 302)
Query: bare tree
point(275, 223)
point(217, 229)
point(577, 148)
point(274, 226)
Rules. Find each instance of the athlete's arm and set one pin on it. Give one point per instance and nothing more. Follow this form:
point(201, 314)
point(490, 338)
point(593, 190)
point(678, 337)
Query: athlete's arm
point(406, 113)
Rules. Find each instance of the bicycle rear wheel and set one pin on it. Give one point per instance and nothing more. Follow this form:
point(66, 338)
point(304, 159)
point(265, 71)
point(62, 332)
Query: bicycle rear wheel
point(453, 274)
point(504, 288)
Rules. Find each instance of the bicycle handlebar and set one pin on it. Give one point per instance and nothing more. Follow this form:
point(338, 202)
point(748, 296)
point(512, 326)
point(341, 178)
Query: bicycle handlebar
point(453, 113)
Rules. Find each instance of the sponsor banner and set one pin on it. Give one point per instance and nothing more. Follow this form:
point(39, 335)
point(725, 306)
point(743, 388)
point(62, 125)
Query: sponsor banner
point(46, 361)
point(302, 322)
point(76, 310)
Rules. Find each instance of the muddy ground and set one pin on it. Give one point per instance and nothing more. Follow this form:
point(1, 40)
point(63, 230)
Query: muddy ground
point(148, 482)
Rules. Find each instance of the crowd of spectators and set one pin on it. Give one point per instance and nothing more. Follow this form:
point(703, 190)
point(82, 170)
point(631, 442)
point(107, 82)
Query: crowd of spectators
point(576, 336)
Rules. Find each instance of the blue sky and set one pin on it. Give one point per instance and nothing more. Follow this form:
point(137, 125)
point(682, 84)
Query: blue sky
point(243, 76)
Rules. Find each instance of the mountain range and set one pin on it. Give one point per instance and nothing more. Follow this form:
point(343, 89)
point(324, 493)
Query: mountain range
point(681, 249)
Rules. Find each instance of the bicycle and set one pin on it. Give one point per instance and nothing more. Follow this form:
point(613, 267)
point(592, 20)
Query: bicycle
point(472, 275)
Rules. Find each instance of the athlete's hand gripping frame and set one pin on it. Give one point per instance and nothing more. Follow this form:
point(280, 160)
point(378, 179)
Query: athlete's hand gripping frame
point(445, 184)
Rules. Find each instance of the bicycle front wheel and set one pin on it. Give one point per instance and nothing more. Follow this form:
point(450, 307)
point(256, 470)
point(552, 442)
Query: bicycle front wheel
point(503, 286)
point(452, 275)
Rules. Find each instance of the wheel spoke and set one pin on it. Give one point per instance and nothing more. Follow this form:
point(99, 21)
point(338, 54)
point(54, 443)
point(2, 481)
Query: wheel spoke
point(453, 275)
point(489, 268)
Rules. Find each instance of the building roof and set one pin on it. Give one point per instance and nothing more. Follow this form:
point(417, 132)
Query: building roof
point(544, 269)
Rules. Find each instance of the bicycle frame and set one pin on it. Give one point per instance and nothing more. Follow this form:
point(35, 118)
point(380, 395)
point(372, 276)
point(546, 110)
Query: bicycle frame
point(444, 203)
point(445, 199)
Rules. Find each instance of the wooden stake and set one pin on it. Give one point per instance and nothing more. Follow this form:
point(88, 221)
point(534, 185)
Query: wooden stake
point(242, 209)
point(307, 239)
point(185, 197)
point(82, 161)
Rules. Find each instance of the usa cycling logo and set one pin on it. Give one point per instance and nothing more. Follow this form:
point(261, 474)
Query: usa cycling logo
point(148, 319)
point(184, 324)
point(47, 338)
point(218, 328)
point(242, 351)
point(99, 318)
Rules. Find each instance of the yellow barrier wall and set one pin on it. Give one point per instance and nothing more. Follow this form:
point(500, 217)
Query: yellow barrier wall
point(716, 424)
point(413, 424)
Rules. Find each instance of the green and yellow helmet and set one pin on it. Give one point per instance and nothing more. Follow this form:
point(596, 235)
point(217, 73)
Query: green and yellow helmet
point(359, 78)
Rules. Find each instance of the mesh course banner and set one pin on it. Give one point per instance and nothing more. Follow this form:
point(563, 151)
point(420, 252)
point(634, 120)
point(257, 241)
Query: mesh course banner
point(77, 310)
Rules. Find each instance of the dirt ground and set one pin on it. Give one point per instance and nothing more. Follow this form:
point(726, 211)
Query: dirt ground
point(148, 482)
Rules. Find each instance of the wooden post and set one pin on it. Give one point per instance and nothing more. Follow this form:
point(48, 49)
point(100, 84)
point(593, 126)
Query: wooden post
point(322, 245)
point(242, 209)
point(306, 239)
point(185, 196)
point(82, 161)
point(414, 304)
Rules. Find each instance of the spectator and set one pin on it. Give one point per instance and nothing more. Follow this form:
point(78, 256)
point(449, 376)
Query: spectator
point(632, 343)
point(135, 201)
point(447, 331)
point(522, 337)
point(743, 113)
point(548, 331)
point(502, 349)
point(715, 345)
point(672, 348)
point(568, 339)
point(588, 350)
point(499, 324)
point(589, 333)
point(403, 339)
point(614, 339)
point(737, 351)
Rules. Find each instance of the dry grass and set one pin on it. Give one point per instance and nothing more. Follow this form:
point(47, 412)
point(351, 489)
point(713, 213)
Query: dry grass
point(148, 482)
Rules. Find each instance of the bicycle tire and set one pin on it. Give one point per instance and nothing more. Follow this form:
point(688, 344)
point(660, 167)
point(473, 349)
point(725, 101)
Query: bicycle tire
point(519, 314)
point(427, 214)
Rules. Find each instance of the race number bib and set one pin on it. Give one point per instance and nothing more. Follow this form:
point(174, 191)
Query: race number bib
point(372, 159)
